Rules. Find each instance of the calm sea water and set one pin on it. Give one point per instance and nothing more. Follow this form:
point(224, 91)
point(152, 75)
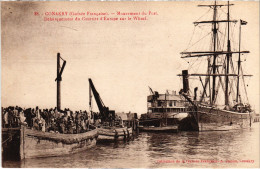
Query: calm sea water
point(184, 149)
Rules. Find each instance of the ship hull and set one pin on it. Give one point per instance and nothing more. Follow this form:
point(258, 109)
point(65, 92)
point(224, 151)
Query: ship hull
point(181, 120)
point(212, 119)
point(34, 144)
point(114, 134)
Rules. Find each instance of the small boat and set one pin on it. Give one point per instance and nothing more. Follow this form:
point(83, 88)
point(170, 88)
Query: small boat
point(114, 133)
point(34, 143)
point(159, 129)
point(108, 130)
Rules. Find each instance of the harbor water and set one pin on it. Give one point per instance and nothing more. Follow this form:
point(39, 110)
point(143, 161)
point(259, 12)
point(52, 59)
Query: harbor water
point(237, 148)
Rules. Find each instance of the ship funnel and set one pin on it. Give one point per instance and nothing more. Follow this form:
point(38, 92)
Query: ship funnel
point(185, 81)
point(195, 93)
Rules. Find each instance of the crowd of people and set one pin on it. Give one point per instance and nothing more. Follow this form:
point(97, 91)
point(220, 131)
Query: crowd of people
point(49, 120)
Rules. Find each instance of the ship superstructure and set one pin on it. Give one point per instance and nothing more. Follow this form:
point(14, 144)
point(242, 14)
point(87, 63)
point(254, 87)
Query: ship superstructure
point(164, 110)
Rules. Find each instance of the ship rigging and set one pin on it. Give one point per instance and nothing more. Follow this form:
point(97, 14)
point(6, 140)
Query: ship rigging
point(223, 78)
point(220, 70)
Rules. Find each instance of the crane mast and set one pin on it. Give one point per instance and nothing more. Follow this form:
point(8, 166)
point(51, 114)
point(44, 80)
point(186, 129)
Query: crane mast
point(104, 111)
point(59, 79)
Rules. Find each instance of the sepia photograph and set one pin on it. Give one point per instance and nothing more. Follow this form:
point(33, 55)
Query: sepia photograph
point(130, 84)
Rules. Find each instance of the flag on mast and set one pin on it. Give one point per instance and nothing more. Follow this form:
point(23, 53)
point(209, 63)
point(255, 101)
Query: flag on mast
point(243, 22)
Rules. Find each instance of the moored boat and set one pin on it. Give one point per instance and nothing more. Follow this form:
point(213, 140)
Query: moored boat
point(165, 112)
point(34, 143)
point(114, 133)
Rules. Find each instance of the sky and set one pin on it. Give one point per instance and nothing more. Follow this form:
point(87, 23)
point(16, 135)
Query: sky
point(121, 57)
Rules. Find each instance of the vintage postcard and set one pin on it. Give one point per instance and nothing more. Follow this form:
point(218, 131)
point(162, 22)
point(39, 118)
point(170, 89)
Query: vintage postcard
point(165, 84)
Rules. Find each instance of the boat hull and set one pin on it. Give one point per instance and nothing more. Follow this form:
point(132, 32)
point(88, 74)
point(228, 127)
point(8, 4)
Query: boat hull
point(212, 119)
point(35, 144)
point(159, 129)
point(114, 134)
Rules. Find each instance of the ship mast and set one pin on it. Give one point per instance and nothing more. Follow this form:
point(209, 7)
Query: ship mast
point(238, 64)
point(228, 56)
point(215, 31)
point(239, 60)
